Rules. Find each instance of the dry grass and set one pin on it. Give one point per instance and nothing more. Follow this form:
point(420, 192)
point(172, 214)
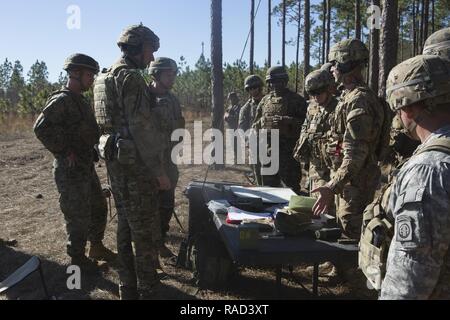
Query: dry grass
point(38, 225)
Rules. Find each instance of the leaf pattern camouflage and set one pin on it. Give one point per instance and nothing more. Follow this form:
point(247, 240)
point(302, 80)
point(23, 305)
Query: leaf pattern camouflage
point(67, 124)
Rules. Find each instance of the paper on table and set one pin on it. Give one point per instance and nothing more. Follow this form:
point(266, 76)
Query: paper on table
point(267, 194)
point(235, 214)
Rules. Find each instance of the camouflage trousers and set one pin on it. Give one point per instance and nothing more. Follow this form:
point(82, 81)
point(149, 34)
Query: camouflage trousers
point(83, 204)
point(289, 171)
point(138, 231)
point(351, 203)
point(166, 208)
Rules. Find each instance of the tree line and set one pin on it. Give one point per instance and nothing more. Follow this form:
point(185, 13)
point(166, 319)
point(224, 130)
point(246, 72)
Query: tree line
point(405, 25)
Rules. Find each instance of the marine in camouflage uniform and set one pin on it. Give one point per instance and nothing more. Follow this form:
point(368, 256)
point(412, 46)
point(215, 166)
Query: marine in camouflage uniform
point(254, 85)
point(418, 265)
point(136, 168)
point(67, 128)
point(438, 44)
point(311, 145)
point(285, 111)
point(231, 117)
point(353, 142)
point(164, 72)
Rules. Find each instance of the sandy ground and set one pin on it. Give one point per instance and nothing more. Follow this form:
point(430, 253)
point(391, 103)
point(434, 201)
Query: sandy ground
point(29, 213)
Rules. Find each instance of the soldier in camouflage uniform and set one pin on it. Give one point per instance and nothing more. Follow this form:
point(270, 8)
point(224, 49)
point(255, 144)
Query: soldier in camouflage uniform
point(438, 44)
point(354, 140)
point(254, 85)
point(311, 145)
point(164, 72)
point(124, 110)
point(418, 265)
point(67, 128)
point(231, 116)
point(285, 111)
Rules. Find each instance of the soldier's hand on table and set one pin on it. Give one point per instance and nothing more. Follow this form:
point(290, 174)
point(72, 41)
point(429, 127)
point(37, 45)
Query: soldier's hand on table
point(71, 159)
point(164, 183)
point(323, 203)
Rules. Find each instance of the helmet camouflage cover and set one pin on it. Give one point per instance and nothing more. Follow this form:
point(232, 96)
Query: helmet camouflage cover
point(438, 43)
point(162, 63)
point(137, 35)
point(277, 72)
point(253, 81)
point(422, 78)
point(349, 50)
point(318, 79)
point(81, 61)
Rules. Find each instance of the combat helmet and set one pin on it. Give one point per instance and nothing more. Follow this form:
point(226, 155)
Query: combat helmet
point(277, 73)
point(348, 54)
point(79, 60)
point(137, 35)
point(422, 78)
point(326, 66)
point(438, 43)
point(162, 63)
point(317, 81)
point(253, 81)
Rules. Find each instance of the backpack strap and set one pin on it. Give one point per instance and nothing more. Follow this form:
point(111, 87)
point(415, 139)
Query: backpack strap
point(439, 144)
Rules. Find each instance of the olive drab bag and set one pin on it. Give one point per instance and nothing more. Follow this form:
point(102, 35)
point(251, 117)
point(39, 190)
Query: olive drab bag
point(382, 149)
point(378, 229)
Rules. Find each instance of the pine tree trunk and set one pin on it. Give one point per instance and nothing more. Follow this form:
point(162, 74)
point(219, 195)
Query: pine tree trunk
point(432, 17)
point(422, 22)
point(400, 30)
point(374, 61)
point(358, 19)
point(306, 42)
point(269, 34)
point(324, 32)
point(283, 37)
point(216, 66)
point(298, 44)
point(414, 29)
point(426, 15)
point(252, 35)
point(327, 50)
point(388, 43)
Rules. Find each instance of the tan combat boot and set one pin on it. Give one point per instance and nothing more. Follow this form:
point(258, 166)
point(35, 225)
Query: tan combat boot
point(98, 251)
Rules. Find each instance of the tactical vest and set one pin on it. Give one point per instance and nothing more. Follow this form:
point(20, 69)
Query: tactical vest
point(107, 97)
point(378, 229)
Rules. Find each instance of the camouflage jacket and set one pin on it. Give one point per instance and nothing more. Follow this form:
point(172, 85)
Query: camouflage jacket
point(311, 145)
point(247, 114)
point(67, 124)
point(232, 116)
point(354, 137)
point(168, 110)
point(418, 265)
point(139, 118)
point(290, 108)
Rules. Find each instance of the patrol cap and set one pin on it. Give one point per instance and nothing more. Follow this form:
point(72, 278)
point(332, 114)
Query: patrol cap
point(253, 81)
point(81, 61)
point(318, 80)
point(421, 78)
point(137, 35)
point(162, 63)
point(438, 43)
point(276, 73)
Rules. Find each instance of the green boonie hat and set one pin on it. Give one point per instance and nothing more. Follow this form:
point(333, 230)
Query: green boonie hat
point(422, 78)
point(349, 50)
point(162, 63)
point(318, 79)
point(137, 35)
point(301, 204)
point(81, 61)
point(438, 43)
point(253, 81)
point(277, 72)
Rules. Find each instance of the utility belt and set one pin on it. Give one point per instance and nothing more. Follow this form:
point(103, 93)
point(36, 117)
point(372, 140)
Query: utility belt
point(113, 147)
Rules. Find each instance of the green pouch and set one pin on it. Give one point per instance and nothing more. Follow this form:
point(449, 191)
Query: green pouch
point(126, 152)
